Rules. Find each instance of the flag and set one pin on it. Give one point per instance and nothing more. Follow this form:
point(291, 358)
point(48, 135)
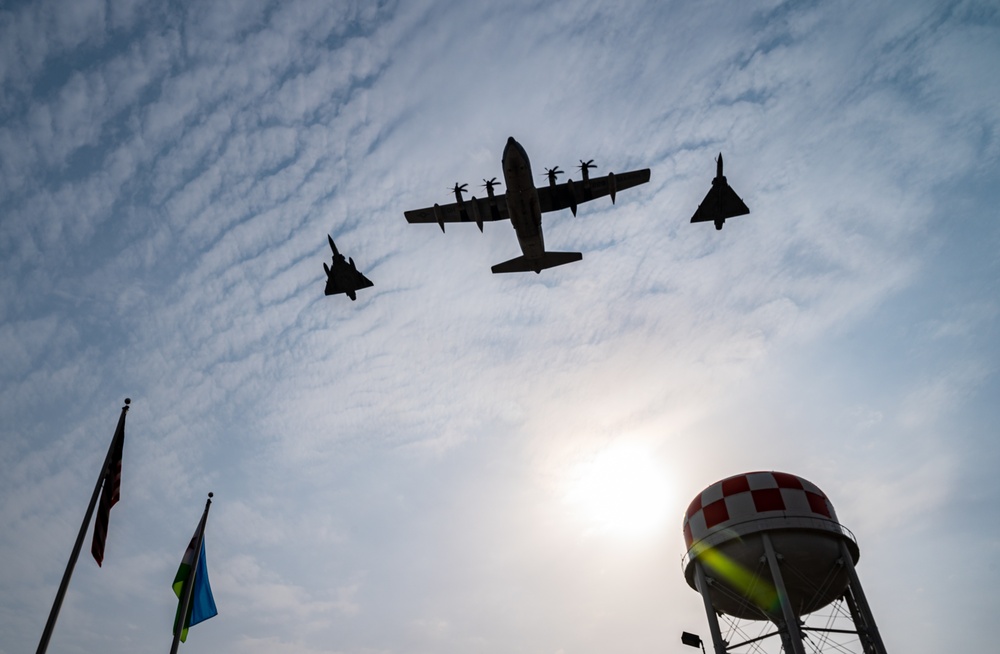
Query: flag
point(110, 491)
point(202, 606)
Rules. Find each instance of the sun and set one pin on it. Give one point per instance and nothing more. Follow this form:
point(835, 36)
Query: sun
point(622, 491)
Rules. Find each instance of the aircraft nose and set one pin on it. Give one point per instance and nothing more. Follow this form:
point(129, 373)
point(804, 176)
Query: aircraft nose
point(510, 147)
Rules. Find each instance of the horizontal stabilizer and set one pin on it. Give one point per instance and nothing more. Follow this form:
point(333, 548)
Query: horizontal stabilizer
point(537, 264)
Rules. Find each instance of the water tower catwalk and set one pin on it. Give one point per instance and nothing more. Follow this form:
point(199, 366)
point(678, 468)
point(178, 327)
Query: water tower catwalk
point(766, 549)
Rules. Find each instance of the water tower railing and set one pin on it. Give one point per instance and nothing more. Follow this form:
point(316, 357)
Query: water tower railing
point(757, 525)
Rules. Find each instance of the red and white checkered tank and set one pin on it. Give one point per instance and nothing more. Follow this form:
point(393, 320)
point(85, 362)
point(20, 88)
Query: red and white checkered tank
point(752, 496)
point(723, 530)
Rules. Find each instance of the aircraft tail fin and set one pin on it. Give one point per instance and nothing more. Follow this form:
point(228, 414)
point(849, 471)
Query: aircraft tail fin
point(537, 264)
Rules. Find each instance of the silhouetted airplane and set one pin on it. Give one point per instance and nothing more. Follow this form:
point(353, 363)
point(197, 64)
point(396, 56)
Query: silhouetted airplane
point(342, 275)
point(524, 205)
point(721, 201)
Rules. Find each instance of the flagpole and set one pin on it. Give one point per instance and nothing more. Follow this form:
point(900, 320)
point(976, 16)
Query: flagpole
point(189, 582)
point(64, 585)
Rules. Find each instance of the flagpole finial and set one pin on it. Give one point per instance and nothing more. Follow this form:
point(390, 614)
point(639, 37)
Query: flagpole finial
point(211, 495)
point(128, 400)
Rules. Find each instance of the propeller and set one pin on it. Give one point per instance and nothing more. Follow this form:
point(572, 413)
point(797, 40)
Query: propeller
point(458, 190)
point(552, 173)
point(584, 165)
point(488, 184)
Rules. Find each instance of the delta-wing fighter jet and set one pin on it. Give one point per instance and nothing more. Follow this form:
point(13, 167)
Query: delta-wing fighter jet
point(523, 205)
point(721, 201)
point(342, 275)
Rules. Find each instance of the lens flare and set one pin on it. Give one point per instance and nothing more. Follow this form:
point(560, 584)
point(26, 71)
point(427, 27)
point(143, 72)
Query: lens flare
point(749, 585)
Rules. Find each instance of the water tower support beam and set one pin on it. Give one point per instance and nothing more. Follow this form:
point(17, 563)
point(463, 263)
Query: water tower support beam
point(713, 620)
point(794, 640)
point(859, 623)
point(869, 626)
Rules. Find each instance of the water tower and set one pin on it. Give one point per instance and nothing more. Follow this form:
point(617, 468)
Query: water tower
point(767, 547)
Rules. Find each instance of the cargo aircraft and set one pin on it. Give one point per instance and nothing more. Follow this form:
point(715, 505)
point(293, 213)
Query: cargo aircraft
point(523, 205)
point(342, 275)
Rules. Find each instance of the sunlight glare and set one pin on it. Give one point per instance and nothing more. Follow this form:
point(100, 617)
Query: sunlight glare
point(621, 491)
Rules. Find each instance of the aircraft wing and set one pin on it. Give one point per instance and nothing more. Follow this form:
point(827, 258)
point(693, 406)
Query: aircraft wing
point(345, 278)
point(331, 286)
point(471, 211)
point(334, 286)
point(570, 194)
point(720, 203)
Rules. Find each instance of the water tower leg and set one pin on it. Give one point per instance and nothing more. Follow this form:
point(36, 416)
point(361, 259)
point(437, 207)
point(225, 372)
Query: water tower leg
point(859, 622)
point(713, 620)
point(869, 628)
point(794, 640)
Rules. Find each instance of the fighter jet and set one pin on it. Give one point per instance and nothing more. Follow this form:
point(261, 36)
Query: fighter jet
point(721, 201)
point(342, 275)
point(524, 205)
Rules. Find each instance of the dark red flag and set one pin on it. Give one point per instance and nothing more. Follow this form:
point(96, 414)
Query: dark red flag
point(110, 492)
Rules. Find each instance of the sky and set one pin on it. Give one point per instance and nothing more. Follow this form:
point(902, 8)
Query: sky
point(467, 462)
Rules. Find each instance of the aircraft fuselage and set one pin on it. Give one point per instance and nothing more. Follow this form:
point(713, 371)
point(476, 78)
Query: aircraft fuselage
point(522, 199)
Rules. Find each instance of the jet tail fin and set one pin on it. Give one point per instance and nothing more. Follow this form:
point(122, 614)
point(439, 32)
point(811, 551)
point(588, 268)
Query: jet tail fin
point(537, 264)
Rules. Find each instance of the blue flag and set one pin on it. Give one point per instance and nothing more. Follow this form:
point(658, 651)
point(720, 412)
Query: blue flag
point(202, 603)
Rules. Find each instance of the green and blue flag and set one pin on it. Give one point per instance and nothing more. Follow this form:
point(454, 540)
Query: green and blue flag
point(202, 605)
